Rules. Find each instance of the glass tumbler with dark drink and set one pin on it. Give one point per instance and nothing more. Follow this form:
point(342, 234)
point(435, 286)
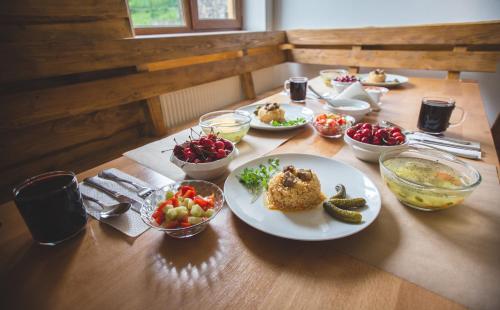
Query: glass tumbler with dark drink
point(435, 114)
point(51, 206)
point(297, 87)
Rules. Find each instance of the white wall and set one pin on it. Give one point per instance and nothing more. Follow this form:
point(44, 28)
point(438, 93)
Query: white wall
point(290, 14)
point(295, 14)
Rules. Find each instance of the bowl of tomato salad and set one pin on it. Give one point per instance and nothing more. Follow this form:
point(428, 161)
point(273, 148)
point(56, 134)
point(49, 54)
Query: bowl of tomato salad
point(183, 209)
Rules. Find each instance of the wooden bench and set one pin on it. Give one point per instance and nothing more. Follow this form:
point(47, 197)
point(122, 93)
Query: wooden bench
point(447, 47)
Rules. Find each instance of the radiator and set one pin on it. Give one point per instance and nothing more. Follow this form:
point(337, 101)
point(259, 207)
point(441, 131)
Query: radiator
point(188, 104)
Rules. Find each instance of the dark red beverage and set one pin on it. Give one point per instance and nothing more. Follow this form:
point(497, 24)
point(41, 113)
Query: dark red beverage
point(435, 114)
point(52, 206)
point(297, 86)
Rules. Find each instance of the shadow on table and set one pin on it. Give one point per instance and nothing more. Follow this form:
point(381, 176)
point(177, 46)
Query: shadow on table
point(467, 228)
point(324, 259)
point(193, 262)
point(32, 277)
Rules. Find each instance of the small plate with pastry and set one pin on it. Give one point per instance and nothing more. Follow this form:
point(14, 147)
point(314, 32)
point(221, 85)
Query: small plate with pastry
point(276, 117)
point(378, 77)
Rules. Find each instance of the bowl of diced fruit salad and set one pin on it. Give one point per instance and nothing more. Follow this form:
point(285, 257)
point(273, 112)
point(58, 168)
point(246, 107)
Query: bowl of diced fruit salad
point(183, 209)
point(331, 125)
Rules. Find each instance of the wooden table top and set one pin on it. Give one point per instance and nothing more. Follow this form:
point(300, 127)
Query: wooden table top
point(230, 265)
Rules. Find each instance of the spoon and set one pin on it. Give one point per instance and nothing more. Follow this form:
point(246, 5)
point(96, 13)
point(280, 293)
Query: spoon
point(110, 211)
point(331, 102)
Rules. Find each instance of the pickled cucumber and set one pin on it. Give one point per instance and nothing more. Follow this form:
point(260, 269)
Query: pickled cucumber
point(341, 192)
point(352, 203)
point(341, 214)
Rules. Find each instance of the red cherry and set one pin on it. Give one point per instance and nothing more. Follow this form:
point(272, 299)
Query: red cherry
point(391, 141)
point(350, 132)
point(376, 141)
point(366, 132)
point(365, 140)
point(357, 137)
point(366, 126)
point(219, 145)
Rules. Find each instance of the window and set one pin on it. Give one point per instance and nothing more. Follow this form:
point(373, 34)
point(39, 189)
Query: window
point(168, 16)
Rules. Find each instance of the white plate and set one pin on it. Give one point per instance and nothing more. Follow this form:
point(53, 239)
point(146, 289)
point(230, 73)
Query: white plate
point(310, 225)
point(291, 112)
point(391, 80)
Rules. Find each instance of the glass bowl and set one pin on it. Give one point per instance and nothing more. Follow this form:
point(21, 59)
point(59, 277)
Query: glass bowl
point(203, 188)
point(427, 179)
point(329, 74)
point(228, 124)
point(333, 129)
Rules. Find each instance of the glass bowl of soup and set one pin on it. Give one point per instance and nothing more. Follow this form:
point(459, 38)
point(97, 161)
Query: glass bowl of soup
point(427, 179)
point(232, 125)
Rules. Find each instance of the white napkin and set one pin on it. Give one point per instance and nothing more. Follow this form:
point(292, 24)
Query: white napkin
point(129, 223)
point(356, 91)
point(466, 153)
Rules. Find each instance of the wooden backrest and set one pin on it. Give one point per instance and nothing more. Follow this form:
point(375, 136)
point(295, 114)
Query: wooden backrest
point(449, 47)
point(77, 88)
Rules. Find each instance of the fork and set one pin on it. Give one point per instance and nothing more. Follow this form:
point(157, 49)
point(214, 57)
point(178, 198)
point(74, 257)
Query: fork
point(142, 191)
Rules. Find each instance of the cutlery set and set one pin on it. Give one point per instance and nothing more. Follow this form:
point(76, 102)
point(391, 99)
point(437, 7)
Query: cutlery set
point(124, 202)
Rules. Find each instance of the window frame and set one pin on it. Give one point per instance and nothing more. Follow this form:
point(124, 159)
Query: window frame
point(193, 23)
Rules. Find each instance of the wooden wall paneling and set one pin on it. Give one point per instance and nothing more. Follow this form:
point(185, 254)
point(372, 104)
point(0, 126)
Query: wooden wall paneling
point(76, 158)
point(355, 51)
point(476, 33)
point(31, 60)
point(36, 11)
point(246, 81)
point(75, 31)
point(427, 60)
point(247, 85)
point(48, 104)
point(35, 141)
point(154, 114)
point(455, 75)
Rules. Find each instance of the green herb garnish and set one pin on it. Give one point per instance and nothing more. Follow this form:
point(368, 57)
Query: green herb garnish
point(257, 179)
point(292, 122)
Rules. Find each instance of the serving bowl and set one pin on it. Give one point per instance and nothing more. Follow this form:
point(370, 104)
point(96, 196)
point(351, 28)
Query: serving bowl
point(353, 107)
point(205, 171)
point(203, 188)
point(427, 179)
point(232, 125)
point(334, 128)
point(341, 86)
point(329, 74)
point(370, 152)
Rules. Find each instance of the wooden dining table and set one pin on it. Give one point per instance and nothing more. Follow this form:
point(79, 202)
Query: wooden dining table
point(229, 265)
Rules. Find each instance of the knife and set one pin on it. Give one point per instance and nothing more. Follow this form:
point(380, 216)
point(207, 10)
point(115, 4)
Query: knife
point(136, 205)
point(453, 140)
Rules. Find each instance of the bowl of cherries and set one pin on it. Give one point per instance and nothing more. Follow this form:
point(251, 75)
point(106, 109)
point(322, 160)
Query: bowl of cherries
point(368, 141)
point(340, 83)
point(205, 158)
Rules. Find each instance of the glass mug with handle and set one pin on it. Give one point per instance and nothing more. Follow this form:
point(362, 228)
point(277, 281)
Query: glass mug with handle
point(51, 206)
point(435, 114)
point(297, 88)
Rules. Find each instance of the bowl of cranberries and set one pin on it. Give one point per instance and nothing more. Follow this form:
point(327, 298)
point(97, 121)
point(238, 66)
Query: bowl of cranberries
point(205, 158)
point(368, 141)
point(340, 83)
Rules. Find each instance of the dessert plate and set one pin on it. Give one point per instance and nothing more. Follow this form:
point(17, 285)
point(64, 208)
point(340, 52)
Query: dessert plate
point(292, 112)
point(391, 80)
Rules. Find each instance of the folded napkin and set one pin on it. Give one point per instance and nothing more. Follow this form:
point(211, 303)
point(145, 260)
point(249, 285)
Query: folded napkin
point(129, 223)
point(356, 91)
point(471, 152)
